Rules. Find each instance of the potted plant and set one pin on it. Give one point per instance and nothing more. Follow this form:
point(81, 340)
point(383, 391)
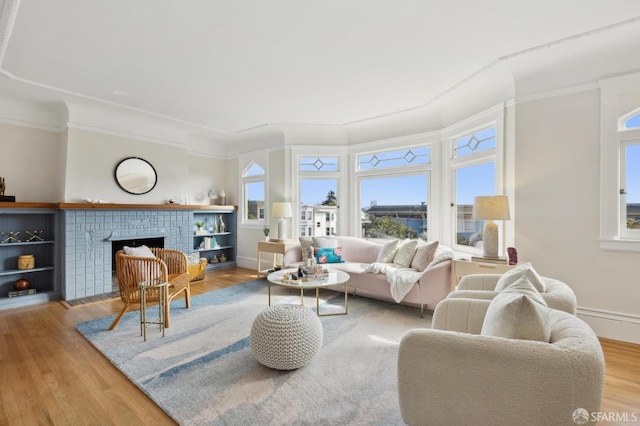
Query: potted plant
point(266, 231)
point(199, 225)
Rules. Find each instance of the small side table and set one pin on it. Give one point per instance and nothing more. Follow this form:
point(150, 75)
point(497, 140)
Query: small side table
point(145, 287)
point(275, 247)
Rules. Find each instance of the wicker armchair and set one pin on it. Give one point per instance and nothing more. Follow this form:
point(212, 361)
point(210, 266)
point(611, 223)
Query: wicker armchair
point(169, 265)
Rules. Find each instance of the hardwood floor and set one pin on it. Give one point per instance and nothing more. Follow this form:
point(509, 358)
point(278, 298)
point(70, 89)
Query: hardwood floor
point(51, 375)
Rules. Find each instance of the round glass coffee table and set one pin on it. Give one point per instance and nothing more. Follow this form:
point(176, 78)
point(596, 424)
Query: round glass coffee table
point(331, 277)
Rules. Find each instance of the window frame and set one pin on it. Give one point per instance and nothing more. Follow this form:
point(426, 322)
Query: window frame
point(620, 100)
point(245, 163)
point(414, 141)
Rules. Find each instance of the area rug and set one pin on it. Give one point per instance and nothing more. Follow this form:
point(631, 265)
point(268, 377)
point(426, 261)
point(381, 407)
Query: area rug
point(203, 372)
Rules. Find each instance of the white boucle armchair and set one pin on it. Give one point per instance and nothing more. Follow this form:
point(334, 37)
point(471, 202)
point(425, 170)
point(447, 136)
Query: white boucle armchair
point(452, 375)
point(557, 294)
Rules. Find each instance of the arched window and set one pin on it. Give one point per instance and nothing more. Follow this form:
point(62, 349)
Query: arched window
point(253, 193)
point(629, 141)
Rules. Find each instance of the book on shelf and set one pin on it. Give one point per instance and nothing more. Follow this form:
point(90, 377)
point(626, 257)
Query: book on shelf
point(500, 260)
point(16, 293)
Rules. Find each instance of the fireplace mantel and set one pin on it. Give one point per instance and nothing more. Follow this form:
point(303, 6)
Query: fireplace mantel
point(115, 206)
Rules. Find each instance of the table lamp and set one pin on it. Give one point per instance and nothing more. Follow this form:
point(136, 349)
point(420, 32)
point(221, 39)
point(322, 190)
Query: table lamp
point(491, 207)
point(282, 211)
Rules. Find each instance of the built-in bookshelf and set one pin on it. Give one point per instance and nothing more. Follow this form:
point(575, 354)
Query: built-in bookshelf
point(215, 238)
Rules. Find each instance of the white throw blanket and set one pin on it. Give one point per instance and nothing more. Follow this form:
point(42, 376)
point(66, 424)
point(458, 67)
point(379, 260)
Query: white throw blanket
point(401, 280)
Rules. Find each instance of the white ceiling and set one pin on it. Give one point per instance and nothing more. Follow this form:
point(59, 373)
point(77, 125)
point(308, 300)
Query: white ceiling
point(234, 65)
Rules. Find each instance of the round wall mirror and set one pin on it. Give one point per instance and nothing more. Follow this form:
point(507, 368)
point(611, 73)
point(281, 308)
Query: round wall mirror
point(136, 176)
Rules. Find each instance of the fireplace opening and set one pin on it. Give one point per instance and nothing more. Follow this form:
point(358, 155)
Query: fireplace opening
point(119, 245)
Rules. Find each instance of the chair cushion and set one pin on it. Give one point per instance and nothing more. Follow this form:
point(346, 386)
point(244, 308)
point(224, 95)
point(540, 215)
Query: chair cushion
point(518, 312)
point(424, 255)
point(142, 251)
point(524, 270)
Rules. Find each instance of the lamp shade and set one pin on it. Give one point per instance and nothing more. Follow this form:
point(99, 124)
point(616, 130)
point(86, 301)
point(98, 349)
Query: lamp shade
point(281, 210)
point(491, 207)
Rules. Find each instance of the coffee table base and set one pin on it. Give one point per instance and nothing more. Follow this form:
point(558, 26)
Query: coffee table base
point(346, 300)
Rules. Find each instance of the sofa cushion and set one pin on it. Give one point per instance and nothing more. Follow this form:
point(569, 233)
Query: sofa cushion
point(323, 242)
point(328, 255)
point(405, 253)
point(524, 270)
point(424, 255)
point(388, 251)
point(442, 254)
point(518, 312)
point(305, 244)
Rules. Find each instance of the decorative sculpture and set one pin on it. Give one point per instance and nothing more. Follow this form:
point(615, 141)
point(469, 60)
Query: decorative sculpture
point(10, 237)
point(222, 225)
point(513, 255)
point(3, 186)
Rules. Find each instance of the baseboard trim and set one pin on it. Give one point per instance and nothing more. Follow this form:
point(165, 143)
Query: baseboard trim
point(612, 325)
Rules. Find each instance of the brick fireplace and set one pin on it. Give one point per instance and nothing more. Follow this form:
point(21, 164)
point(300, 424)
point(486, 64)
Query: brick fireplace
point(89, 234)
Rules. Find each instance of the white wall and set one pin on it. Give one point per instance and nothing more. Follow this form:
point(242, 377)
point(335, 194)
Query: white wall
point(30, 163)
point(557, 216)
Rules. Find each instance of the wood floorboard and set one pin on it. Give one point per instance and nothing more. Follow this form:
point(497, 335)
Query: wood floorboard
point(51, 375)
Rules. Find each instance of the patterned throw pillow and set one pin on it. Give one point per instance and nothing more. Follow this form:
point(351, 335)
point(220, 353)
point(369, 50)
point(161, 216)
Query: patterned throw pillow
point(328, 255)
point(305, 245)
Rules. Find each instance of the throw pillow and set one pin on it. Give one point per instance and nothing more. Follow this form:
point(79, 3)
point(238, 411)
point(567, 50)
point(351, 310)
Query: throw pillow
point(142, 251)
point(305, 245)
point(193, 258)
point(388, 251)
point(322, 242)
point(405, 253)
point(328, 255)
point(442, 253)
point(518, 312)
point(524, 270)
point(424, 255)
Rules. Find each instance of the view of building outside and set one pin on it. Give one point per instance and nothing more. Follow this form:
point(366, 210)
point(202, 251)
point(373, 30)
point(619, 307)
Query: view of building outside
point(470, 182)
point(394, 206)
point(632, 186)
point(319, 207)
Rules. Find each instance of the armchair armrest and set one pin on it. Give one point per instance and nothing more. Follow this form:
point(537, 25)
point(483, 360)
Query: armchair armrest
point(175, 260)
point(478, 282)
point(461, 315)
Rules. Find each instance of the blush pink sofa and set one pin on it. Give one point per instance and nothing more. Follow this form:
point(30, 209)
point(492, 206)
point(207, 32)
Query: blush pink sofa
point(358, 254)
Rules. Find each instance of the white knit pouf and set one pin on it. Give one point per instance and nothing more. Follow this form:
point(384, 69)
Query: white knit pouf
point(286, 337)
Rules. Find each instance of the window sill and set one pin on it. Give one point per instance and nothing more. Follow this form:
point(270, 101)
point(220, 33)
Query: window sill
point(620, 245)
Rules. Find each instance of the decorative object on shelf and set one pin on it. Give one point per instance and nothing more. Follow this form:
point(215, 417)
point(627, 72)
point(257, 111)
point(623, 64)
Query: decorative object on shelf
point(26, 261)
point(513, 255)
point(35, 235)
point(213, 196)
point(3, 197)
point(282, 210)
point(11, 237)
point(200, 226)
point(135, 176)
point(223, 258)
point(215, 225)
point(16, 293)
point(21, 285)
point(266, 231)
point(214, 259)
point(222, 227)
point(222, 198)
point(214, 243)
point(491, 207)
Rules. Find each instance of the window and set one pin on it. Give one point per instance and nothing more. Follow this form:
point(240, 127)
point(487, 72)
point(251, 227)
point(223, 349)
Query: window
point(473, 173)
point(253, 192)
point(385, 210)
point(620, 164)
point(318, 181)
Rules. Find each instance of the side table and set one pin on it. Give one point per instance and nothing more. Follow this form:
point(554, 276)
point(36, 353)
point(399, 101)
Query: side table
point(161, 289)
point(460, 268)
point(275, 247)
